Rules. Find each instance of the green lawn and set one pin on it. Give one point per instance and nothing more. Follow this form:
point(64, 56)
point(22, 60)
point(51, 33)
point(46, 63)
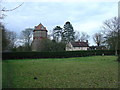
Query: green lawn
point(81, 72)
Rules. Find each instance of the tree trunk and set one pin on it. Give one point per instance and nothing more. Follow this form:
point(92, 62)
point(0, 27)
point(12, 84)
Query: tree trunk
point(116, 53)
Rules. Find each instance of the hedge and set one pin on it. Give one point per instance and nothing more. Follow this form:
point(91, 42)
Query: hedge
point(65, 54)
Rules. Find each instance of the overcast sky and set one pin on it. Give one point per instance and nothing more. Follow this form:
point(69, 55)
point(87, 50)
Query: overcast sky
point(84, 16)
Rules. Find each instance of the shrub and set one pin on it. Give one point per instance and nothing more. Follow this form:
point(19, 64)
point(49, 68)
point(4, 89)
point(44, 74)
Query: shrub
point(64, 54)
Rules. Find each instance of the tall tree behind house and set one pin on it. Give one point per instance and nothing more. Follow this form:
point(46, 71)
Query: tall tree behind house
point(81, 36)
point(57, 31)
point(68, 33)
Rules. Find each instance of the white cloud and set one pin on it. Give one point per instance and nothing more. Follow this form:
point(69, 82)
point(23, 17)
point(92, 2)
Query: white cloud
point(84, 16)
point(90, 27)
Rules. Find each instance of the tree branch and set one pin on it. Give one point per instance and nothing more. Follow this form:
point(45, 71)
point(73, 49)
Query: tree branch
point(11, 9)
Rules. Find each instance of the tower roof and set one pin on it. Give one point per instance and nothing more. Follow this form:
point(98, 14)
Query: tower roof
point(40, 27)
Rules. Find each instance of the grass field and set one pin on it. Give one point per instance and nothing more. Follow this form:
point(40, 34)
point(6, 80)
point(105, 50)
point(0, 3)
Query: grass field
point(81, 72)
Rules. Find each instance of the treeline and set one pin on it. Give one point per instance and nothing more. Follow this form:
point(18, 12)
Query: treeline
point(56, 41)
point(109, 36)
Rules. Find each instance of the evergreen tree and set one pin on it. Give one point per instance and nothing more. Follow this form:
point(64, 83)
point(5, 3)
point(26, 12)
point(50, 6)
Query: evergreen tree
point(68, 33)
point(57, 34)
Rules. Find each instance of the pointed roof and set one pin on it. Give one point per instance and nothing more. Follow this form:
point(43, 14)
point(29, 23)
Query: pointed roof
point(40, 27)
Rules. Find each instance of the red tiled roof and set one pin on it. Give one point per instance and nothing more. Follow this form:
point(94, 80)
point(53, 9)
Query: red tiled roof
point(79, 44)
point(40, 27)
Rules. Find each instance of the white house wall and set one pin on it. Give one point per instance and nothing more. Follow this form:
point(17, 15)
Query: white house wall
point(69, 47)
point(76, 48)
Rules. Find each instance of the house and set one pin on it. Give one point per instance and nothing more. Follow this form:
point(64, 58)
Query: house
point(97, 48)
point(75, 46)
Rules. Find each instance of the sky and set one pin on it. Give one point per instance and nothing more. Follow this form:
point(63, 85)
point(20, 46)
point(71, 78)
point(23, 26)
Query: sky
point(85, 16)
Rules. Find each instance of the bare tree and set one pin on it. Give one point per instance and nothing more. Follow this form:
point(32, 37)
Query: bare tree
point(11, 36)
point(8, 37)
point(26, 36)
point(98, 38)
point(3, 9)
point(7, 10)
point(111, 31)
point(77, 35)
point(4, 40)
point(81, 36)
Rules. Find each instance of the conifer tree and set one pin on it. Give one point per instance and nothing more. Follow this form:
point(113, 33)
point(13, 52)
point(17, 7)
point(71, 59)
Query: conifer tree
point(68, 33)
point(57, 33)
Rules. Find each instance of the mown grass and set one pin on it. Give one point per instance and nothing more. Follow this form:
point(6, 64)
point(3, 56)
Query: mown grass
point(81, 72)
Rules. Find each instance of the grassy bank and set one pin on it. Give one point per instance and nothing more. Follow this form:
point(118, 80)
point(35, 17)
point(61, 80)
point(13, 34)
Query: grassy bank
point(81, 72)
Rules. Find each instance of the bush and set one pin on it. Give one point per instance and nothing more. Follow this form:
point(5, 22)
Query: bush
point(64, 54)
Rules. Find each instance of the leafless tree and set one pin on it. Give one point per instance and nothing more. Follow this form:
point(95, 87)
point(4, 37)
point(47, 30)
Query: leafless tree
point(111, 30)
point(7, 37)
point(82, 36)
point(98, 38)
point(26, 36)
point(3, 9)
point(11, 37)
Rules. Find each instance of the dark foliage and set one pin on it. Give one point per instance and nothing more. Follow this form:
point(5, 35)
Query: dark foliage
point(65, 54)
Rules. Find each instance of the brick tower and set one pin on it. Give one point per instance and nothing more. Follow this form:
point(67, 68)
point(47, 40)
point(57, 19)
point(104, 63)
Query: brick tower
point(39, 33)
